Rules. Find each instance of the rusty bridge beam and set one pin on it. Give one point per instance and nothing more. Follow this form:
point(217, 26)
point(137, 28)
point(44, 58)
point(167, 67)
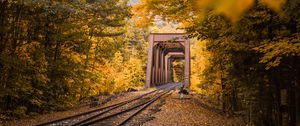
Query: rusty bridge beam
point(159, 65)
point(187, 64)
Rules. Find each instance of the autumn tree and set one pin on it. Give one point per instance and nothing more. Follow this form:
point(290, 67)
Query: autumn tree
point(53, 53)
point(254, 50)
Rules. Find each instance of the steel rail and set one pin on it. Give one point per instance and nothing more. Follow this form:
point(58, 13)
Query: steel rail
point(138, 111)
point(99, 109)
point(86, 123)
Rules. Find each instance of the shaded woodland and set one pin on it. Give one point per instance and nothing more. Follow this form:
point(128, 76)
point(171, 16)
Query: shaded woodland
point(247, 54)
point(55, 54)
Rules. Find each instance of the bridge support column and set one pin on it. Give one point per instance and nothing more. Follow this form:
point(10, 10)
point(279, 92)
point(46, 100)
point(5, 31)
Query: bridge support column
point(154, 67)
point(152, 71)
point(171, 71)
point(149, 73)
point(158, 66)
point(167, 68)
point(161, 67)
point(187, 63)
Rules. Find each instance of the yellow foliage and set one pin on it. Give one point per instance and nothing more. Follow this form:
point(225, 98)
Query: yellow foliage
point(167, 28)
point(189, 11)
point(233, 9)
point(199, 62)
point(276, 50)
point(134, 73)
point(214, 90)
point(178, 71)
point(25, 51)
point(274, 4)
point(141, 16)
point(204, 3)
point(118, 75)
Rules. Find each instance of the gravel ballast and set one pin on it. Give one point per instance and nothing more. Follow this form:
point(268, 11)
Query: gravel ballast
point(185, 112)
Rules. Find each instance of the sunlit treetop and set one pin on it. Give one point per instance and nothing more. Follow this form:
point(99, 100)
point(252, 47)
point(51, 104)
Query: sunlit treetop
point(187, 11)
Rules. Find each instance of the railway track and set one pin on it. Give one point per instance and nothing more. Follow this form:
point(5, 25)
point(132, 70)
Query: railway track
point(125, 110)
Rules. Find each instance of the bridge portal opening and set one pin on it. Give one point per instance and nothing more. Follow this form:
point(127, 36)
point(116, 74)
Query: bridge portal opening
point(178, 70)
point(164, 49)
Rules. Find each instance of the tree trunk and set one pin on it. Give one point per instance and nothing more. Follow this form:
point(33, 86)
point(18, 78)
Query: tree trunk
point(3, 6)
point(292, 92)
point(297, 92)
point(277, 99)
